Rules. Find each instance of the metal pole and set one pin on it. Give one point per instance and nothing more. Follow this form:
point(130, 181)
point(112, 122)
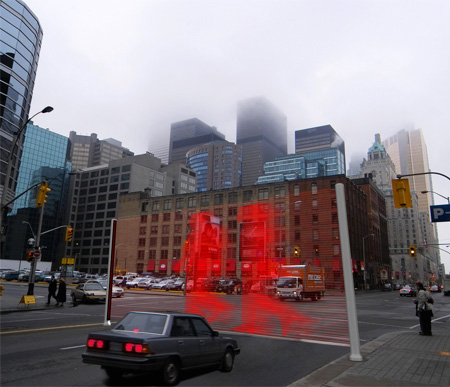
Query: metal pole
point(365, 267)
point(355, 354)
point(34, 261)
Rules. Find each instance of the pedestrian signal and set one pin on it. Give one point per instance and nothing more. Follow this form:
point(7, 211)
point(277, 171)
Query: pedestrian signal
point(401, 193)
point(412, 251)
point(42, 194)
point(69, 234)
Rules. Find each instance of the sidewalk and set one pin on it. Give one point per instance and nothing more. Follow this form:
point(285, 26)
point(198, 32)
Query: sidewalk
point(395, 359)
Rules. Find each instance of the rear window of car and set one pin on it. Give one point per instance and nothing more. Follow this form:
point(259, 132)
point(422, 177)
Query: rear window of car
point(143, 322)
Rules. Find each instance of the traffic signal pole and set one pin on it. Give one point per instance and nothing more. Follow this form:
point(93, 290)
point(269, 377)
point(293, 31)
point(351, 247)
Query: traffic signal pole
point(34, 261)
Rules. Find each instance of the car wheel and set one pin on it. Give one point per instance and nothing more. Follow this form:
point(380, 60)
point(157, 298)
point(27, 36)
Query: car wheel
point(227, 361)
point(113, 373)
point(171, 372)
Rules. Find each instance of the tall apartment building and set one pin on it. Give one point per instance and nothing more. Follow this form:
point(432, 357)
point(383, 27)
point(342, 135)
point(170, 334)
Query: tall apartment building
point(89, 151)
point(188, 134)
point(96, 192)
point(218, 165)
point(20, 38)
point(45, 157)
point(261, 130)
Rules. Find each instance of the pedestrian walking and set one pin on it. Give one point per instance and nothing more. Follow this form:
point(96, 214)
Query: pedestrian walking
point(52, 286)
point(424, 309)
point(61, 296)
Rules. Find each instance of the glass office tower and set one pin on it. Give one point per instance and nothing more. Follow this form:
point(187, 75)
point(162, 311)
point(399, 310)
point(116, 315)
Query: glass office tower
point(20, 44)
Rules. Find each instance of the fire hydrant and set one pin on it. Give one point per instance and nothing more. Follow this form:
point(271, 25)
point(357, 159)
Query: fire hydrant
point(1, 290)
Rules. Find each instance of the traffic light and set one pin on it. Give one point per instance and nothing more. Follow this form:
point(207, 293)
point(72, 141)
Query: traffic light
point(296, 251)
point(69, 234)
point(42, 194)
point(401, 193)
point(412, 251)
point(29, 255)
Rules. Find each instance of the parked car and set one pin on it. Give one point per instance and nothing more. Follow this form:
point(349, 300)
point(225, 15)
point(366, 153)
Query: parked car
point(133, 284)
point(116, 291)
point(387, 288)
point(11, 275)
point(162, 284)
point(165, 343)
point(146, 283)
point(435, 289)
point(177, 285)
point(408, 290)
point(228, 286)
point(205, 284)
point(87, 292)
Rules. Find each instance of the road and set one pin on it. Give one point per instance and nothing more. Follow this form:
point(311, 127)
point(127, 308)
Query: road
point(43, 348)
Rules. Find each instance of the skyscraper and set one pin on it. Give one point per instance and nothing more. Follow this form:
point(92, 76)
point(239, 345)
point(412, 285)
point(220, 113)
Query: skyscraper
point(318, 138)
point(262, 131)
point(20, 39)
point(408, 151)
point(187, 134)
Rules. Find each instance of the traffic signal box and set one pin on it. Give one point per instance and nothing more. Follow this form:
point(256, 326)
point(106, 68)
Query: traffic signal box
point(412, 251)
point(401, 192)
point(29, 255)
point(69, 234)
point(42, 194)
point(296, 251)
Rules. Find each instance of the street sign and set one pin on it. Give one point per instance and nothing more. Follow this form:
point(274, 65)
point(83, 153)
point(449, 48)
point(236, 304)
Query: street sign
point(440, 213)
point(36, 254)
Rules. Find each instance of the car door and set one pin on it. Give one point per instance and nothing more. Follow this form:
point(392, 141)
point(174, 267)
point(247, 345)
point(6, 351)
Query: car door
point(210, 351)
point(186, 341)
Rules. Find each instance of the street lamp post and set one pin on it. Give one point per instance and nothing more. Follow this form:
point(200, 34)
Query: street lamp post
point(364, 259)
point(442, 196)
point(16, 138)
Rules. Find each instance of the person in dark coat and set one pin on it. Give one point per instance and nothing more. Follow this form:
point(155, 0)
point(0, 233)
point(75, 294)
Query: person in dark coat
point(52, 286)
point(61, 296)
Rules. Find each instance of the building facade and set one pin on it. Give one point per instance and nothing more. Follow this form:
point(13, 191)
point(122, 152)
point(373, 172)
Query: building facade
point(188, 134)
point(45, 157)
point(218, 165)
point(20, 39)
point(261, 130)
point(89, 151)
point(296, 215)
point(96, 192)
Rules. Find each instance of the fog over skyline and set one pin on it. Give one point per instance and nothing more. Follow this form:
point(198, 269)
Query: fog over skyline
point(127, 70)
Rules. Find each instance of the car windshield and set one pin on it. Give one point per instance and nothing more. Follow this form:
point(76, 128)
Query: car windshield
point(93, 286)
point(287, 283)
point(142, 322)
point(102, 282)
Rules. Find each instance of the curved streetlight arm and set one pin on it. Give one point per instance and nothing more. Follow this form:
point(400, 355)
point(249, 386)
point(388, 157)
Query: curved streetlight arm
point(438, 194)
point(423, 173)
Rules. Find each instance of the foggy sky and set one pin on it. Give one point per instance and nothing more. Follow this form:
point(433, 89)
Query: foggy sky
point(127, 70)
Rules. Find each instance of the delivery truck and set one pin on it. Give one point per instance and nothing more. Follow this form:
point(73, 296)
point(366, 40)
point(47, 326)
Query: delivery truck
point(298, 282)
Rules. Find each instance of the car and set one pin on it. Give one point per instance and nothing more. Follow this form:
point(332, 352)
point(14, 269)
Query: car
point(88, 292)
point(408, 290)
point(164, 343)
point(387, 288)
point(133, 284)
point(116, 291)
point(206, 284)
point(177, 285)
point(11, 275)
point(228, 286)
point(162, 284)
point(435, 289)
point(146, 283)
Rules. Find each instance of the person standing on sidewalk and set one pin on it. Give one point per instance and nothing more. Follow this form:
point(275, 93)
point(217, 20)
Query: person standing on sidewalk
point(52, 286)
point(425, 309)
point(61, 296)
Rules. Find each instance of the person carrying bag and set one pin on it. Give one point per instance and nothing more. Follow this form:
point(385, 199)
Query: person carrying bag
point(424, 309)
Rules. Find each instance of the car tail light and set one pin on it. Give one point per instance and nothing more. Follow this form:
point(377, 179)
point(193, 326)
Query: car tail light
point(136, 348)
point(94, 343)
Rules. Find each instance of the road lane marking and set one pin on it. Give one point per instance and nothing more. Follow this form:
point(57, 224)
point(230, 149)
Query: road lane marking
point(75, 347)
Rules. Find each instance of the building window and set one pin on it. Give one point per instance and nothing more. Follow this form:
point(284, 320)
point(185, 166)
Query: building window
point(152, 254)
point(141, 254)
point(165, 229)
point(177, 240)
point(314, 188)
point(155, 206)
point(297, 220)
point(232, 197)
point(155, 217)
point(263, 194)
point(167, 205)
point(143, 218)
point(232, 211)
point(334, 217)
point(232, 238)
point(154, 230)
point(179, 204)
point(152, 242)
point(166, 217)
point(192, 201)
point(218, 199)
point(315, 234)
point(164, 254)
point(218, 212)
point(232, 224)
point(142, 230)
point(280, 192)
point(315, 218)
point(204, 200)
point(176, 253)
point(333, 203)
point(165, 241)
point(248, 195)
point(296, 190)
point(141, 242)
point(177, 229)
point(314, 203)
point(336, 250)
